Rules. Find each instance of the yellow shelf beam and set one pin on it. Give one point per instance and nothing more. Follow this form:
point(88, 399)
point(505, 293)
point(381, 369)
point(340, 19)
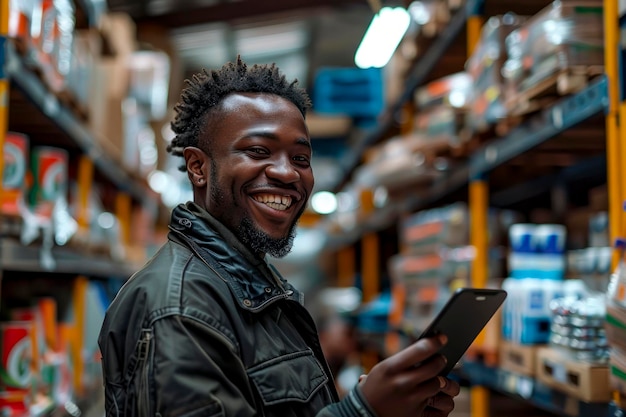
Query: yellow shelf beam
point(346, 266)
point(4, 87)
point(123, 210)
point(85, 183)
point(617, 190)
point(479, 209)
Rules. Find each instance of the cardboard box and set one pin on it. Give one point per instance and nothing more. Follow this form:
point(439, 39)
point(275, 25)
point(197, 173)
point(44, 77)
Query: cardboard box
point(106, 120)
point(584, 380)
point(518, 358)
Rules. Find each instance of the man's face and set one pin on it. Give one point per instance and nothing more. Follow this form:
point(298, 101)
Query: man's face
point(260, 169)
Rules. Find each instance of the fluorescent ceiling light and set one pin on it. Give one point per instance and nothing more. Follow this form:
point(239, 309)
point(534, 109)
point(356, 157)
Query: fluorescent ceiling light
point(382, 37)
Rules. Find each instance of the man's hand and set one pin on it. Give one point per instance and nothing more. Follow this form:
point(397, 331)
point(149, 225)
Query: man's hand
point(407, 383)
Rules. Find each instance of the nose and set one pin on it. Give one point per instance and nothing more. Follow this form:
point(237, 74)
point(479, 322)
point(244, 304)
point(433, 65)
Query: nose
point(281, 169)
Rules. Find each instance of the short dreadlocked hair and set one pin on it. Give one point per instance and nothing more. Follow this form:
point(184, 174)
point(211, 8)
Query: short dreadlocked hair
point(206, 90)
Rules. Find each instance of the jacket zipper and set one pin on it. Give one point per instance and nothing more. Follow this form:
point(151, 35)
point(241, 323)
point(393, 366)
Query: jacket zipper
point(143, 393)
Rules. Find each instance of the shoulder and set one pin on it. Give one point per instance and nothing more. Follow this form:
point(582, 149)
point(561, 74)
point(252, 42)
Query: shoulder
point(174, 280)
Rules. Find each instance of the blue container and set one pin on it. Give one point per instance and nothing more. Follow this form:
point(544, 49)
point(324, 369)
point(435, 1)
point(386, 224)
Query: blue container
point(351, 91)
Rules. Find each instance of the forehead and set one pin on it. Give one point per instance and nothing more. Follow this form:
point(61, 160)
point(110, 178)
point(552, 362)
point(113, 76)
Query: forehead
point(259, 103)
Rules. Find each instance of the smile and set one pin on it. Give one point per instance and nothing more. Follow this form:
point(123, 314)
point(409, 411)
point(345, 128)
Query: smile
point(277, 202)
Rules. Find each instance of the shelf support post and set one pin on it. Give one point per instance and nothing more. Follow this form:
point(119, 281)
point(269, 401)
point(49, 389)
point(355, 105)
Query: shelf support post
point(346, 259)
point(478, 208)
point(4, 85)
point(123, 210)
point(479, 211)
point(616, 189)
point(85, 182)
point(370, 253)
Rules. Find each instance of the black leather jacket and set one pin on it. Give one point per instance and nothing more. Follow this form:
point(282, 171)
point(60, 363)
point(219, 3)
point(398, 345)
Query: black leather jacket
point(208, 329)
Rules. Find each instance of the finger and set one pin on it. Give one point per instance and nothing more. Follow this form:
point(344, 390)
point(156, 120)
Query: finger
point(450, 387)
point(415, 353)
point(429, 388)
point(441, 402)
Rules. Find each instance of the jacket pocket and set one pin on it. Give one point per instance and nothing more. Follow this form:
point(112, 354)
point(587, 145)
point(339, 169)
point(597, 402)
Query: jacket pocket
point(293, 377)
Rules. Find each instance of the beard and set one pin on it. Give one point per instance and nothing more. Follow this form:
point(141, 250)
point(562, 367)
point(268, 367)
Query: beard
point(259, 241)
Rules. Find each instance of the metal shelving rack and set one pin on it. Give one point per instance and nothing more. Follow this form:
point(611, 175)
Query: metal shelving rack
point(24, 79)
point(15, 73)
point(532, 391)
point(598, 99)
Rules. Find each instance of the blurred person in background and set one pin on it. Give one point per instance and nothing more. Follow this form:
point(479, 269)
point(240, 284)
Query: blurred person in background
point(208, 327)
point(339, 342)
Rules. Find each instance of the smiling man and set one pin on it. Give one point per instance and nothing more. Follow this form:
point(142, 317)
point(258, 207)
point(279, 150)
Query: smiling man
point(207, 327)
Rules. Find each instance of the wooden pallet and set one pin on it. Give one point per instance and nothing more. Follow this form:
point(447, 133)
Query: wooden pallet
point(550, 88)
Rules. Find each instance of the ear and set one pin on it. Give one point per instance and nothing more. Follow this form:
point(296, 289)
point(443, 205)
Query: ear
point(197, 163)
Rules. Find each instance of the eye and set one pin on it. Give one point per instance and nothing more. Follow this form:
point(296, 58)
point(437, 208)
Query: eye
point(258, 151)
point(302, 160)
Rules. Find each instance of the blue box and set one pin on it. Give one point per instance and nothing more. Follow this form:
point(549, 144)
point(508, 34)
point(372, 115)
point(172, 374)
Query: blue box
point(350, 91)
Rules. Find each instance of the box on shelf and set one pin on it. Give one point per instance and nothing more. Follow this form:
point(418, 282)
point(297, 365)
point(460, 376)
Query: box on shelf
point(587, 381)
point(352, 91)
point(120, 41)
point(452, 90)
point(52, 41)
point(527, 318)
point(401, 162)
point(615, 324)
point(537, 251)
point(617, 364)
point(554, 53)
point(87, 51)
point(518, 358)
point(149, 81)
point(106, 120)
point(485, 68)
point(447, 226)
point(441, 124)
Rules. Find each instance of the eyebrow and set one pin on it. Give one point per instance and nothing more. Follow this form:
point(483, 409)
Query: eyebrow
point(270, 135)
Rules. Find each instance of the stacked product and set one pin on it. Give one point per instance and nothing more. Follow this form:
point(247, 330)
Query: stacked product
point(578, 327)
point(536, 271)
point(36, 365)
point(43, 31)
point(485, 69)
point(441, 108)
point(435, 259)
point(564, 39)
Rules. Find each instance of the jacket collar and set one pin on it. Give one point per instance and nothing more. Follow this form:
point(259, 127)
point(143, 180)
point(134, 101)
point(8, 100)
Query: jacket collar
point(254, 282)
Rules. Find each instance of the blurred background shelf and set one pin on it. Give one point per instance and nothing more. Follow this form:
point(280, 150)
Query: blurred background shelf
point(16, 257)
point(72, 132)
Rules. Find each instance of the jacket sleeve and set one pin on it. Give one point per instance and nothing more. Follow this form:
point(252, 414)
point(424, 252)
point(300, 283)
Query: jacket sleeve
point(352, 405)
point(196, 372)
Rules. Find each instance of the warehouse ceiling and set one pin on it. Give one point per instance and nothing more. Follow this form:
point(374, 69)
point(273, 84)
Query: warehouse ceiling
point(299, 35)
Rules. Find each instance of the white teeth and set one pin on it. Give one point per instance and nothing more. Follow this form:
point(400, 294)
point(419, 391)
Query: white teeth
point(277, 202)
